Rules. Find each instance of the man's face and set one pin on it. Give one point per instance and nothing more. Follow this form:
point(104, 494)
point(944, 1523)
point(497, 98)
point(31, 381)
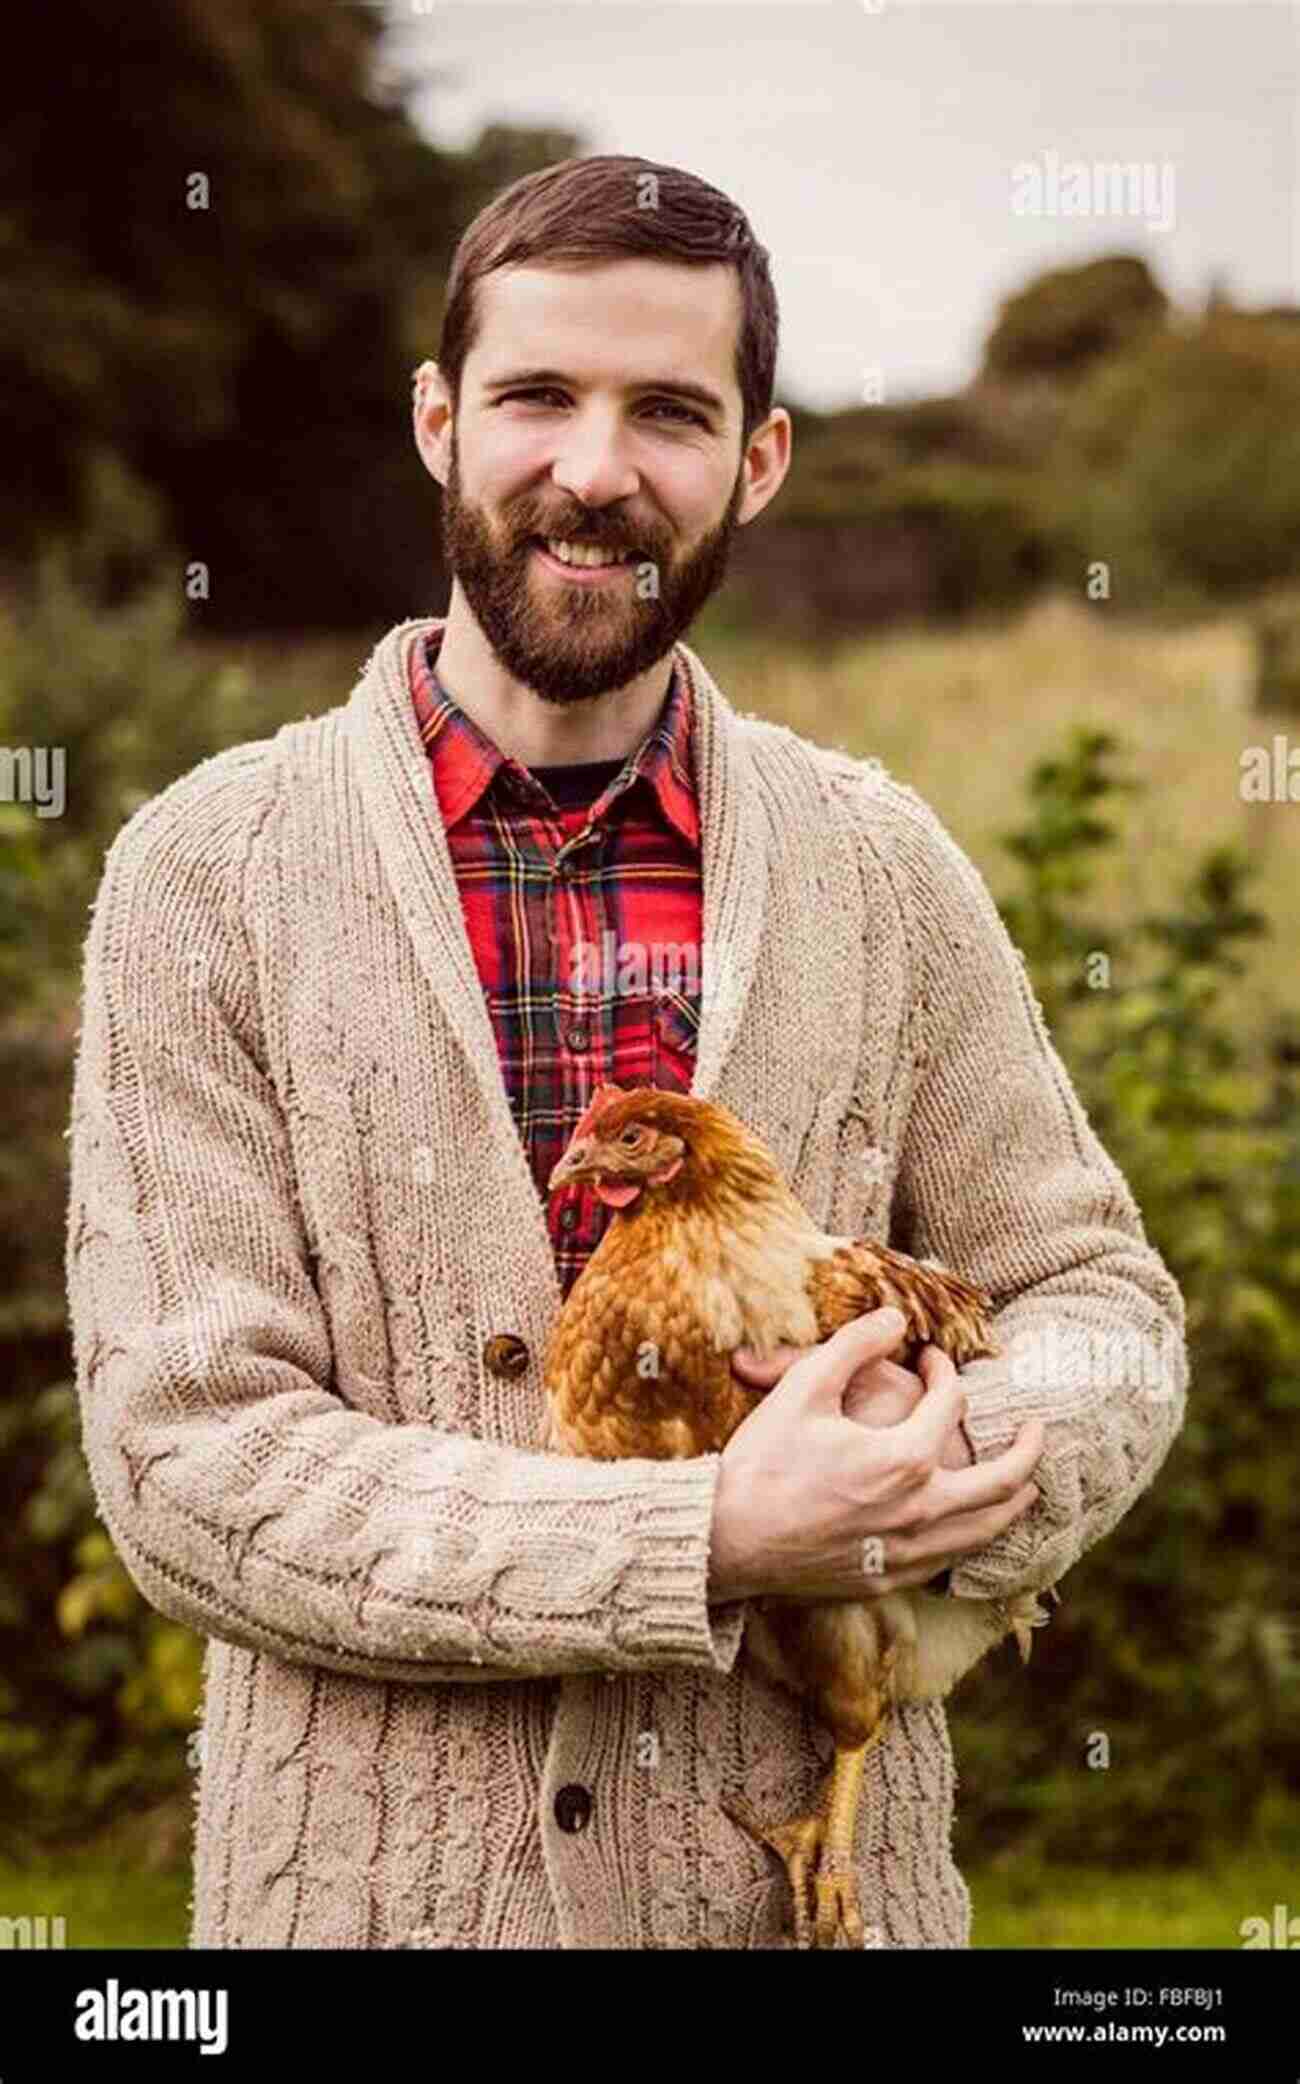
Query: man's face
point(600, 449)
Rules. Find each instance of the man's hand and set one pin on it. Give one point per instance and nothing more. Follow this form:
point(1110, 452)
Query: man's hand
point(878, 1395)
point(797, 1524)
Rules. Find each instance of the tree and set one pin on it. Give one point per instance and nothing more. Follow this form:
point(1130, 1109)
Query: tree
point(221, 264)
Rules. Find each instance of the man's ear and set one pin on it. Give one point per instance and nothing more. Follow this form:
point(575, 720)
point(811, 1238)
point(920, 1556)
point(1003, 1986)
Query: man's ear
point(431, 419)
point(767, 459)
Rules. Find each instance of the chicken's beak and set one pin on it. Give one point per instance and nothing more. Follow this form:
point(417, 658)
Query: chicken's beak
point(571, 1165)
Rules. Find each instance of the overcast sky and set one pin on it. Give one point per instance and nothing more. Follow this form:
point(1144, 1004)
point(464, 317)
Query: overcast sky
point(908, 164)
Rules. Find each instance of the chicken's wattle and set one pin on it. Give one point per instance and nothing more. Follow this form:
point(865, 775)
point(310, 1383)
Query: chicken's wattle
point(615, 1196)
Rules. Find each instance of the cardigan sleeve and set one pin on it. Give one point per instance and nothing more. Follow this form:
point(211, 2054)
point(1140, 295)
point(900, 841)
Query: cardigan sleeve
point(245, 1496)
point(1002, 1177)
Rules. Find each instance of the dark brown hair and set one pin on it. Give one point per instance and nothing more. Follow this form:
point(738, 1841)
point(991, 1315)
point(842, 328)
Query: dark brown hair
point(585, 211)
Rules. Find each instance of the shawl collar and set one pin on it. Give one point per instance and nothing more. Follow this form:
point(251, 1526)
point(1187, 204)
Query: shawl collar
point(393, 771)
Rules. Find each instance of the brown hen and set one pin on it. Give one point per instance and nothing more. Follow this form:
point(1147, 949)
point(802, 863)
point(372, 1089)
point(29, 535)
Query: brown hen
point(709, 1250)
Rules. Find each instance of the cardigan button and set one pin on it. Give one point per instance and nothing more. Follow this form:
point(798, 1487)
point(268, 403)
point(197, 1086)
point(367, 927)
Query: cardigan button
point(505, 1356)
point(573, 1808)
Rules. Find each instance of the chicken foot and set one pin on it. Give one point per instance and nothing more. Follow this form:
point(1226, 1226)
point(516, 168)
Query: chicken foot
point(797, 1844)
point(835, 1885)
point(817, 1852)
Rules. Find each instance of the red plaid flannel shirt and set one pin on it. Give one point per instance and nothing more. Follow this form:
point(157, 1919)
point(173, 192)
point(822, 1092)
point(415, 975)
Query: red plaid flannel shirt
point(585, 927)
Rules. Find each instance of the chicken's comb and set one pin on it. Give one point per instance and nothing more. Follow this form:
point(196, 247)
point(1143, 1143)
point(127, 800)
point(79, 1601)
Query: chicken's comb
point(602, 1094)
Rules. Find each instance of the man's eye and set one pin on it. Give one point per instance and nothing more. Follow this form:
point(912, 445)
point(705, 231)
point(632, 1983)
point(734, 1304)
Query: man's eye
point(672, 405)
point(681, 413)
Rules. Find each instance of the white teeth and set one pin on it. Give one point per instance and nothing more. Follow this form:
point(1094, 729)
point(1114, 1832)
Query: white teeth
point(585, 554)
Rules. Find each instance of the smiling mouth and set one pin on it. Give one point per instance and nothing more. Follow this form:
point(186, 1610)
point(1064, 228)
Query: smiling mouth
point(612, 554)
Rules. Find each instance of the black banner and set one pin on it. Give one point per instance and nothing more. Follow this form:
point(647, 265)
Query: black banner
point(111, 2013)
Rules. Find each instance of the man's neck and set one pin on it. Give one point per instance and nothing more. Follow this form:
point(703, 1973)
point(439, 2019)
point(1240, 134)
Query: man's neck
point(537, 733)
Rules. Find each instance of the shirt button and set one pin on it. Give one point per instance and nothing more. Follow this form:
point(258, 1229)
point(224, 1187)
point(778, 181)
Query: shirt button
point(578, 1037)
point(569, 1216)
point(505, 1355)
point(573, 1808)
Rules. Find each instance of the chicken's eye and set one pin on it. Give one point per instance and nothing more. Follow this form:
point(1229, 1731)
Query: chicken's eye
point(631, 1134)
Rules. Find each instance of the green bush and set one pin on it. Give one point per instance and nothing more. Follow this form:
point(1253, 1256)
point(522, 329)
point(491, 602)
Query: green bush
point(1181, 463)
point(96, 1686)
point(989, 530)
point(95, 660)
point(1177, 1638)
point(943, 538)
point(1070, 318)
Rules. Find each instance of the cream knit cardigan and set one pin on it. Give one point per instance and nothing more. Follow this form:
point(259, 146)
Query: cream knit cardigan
point(298, 1211)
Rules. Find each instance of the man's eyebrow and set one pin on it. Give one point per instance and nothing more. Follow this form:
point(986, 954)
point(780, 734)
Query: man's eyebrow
point(670, 386)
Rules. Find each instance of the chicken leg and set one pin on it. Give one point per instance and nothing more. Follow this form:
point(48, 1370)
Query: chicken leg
point(817, 1853)
point(797, 1844)
point(835, 1885)
point(817, 1849)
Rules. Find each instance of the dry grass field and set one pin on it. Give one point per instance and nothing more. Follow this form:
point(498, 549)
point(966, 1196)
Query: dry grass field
point(964, 716)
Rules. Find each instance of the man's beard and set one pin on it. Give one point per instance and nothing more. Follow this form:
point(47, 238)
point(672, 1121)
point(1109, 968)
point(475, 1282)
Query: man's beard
point(578, 641)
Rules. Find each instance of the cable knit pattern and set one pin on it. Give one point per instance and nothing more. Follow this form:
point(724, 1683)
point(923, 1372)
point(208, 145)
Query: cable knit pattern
point(299, 1214)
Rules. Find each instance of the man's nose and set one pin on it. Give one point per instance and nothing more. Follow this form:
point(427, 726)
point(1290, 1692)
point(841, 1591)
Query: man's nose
point(592, 464)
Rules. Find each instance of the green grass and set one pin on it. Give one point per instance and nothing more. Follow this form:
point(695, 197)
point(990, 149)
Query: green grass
point(1026, 1905)
point(1040, 1906)
point(102, 1906)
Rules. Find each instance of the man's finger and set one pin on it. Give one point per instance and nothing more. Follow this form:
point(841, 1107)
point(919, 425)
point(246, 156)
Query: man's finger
point(995, 1478)
point(924, 1434)
point(939, 1542)
point(933, 1366)
point(826, 1370)
point(887, 1374)
point(764, 1373)
point(882, 1393)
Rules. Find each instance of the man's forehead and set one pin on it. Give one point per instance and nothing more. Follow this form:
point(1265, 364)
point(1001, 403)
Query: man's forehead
point(622, 322)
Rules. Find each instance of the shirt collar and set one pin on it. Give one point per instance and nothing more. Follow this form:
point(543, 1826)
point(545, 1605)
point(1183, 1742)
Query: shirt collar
point(466, 762)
